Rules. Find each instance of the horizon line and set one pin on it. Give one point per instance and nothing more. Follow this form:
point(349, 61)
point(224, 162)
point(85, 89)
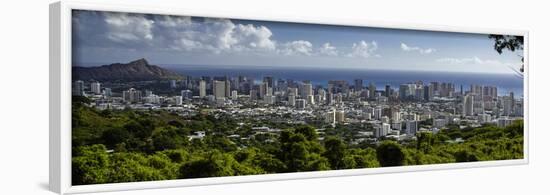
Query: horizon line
point(172, 65)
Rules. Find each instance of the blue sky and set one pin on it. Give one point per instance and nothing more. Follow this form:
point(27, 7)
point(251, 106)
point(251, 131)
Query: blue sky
point(107, 37)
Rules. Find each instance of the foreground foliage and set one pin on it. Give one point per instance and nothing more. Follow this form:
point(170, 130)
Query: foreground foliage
point(129, 146)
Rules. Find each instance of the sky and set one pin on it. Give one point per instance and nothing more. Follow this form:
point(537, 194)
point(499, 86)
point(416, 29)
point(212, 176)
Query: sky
point(110, 37)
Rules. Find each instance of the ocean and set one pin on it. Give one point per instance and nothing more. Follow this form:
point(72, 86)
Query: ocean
point(505, 83)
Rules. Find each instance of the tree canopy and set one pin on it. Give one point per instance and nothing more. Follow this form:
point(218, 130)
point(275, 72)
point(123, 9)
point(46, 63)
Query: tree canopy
point(508, 42)
point(127, 146)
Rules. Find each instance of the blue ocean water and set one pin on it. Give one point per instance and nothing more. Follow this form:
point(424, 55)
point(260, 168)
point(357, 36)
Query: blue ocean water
point(320, 76)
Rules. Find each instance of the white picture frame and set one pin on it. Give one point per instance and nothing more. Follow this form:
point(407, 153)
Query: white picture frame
point(60, 98)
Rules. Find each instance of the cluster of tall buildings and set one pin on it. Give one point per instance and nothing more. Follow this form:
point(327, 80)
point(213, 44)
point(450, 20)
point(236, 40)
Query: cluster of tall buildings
point(391, 112)
point(335, 116)
point(132, 95)
point(79, 89)
point(271, 90)
point(419, 91)
point(480, 100)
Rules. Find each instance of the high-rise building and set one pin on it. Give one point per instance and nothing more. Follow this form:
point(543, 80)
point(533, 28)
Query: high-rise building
point(291, 100)
point(507, 105)
point(242, 84)
point(369, 110)
point(490, 91)
point(186, 83)
point(468, 105)
point(264, 87)
point(382, 130)
point(220, 102)
point(318, 99)
point(131, 95)
point(338, 98)
point(419, 92)
point(407, 91)
point(447, 89)
point(396, 116)
point(186, 94)
point(397, 126)
point(269, 81)
point(484, 118)
point(96, 88)
point(404, 91)
point(307, 90)
point(340, 116)
point(152, 99)
point(427, 93)
point(253, 94)
point(476, 89)
point(338, 86)
point(385, 119)
point(388, 91)
point(245, 87)
point(310, 100)
point(330, 99)
point(178, 100)
point(451, 88)
point(202, 89)
point(227, 88)
point(330, 117)
point(323, 95)
point(372, 90)
point(269, 99)
point(358, 84)
point(513, 100)
point(107, 92)
point(377, 113)
point(269, 91)
point(300, 103)
point(234, 94)
point(78, 88)
point(519, 107)
point(293, 91)
point(281, 85)
point(291, 83)
point(219, 89)
point(148, 93)
point(431, 90)
point(366, 115)
point(478, 104)
point(235, 83)
point(411, 127)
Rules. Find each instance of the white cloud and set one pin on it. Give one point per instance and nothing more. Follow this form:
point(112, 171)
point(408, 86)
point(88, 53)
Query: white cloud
point(408, 48)
point(299, 47)
point(185, 34)
point(473, 60)
point(364, 49)
point(328, 50)
point(173, 21)
point(256, 37)
point(220, 35)
point(128, 27)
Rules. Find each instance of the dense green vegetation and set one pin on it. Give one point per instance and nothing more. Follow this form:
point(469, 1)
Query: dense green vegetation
point(129, 145)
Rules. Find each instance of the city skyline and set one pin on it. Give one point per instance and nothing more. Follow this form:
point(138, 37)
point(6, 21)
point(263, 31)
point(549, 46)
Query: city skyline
point(178, 95)
point(120, 37)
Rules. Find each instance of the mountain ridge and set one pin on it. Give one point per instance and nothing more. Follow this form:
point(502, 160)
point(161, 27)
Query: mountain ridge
point(137, 70)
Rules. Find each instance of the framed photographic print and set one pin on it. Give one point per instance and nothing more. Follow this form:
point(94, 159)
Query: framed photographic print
point(142, 97)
